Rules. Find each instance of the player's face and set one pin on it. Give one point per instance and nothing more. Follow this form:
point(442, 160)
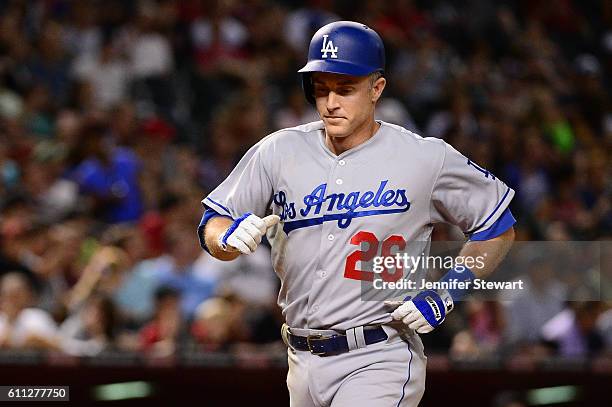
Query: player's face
point(345, 103)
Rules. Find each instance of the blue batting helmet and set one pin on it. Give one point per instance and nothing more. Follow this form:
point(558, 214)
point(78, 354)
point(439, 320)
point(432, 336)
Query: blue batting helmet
point(343, 47)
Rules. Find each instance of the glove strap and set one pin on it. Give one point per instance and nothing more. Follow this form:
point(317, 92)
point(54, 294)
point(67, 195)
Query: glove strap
point(447, 300)
point(231, 229)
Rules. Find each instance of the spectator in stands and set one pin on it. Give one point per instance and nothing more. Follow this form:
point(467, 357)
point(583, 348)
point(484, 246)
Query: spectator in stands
point(50, 65)
point(55, 196)
point(104, 273)
point(178, 272)
point(295, 112)
point(106, 72)
point(223, 149)
point(530, 308)
point(218, 323)
point(109, 176)
point(83, 33)
point(23, 326)
point(486, 323)
point(165, 332)
point(174, 269)
point(58, 263)
point(151, 61)
point(573, 332)
point(604, 328)
point(91, 330)
point(16, 220)
point(250, 278)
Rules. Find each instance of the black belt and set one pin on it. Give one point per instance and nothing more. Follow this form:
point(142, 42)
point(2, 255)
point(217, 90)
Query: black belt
point(334, 344)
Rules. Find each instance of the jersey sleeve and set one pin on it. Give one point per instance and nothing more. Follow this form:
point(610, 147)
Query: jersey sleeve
point(248, 188)
point(467, 195)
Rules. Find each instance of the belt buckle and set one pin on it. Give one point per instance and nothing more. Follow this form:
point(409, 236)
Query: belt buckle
point(310, 339)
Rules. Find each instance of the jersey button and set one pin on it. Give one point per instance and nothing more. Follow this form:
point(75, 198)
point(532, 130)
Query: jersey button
point(330, 237)
point(339, 181)
point(323, 274)
point(315, 308)
point(341, 162)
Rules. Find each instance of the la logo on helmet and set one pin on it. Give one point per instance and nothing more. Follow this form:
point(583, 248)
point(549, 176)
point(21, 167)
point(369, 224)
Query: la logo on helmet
point(328, 46)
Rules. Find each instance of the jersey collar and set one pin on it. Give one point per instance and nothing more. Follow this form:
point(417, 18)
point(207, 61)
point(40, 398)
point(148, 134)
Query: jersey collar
point(321, 136)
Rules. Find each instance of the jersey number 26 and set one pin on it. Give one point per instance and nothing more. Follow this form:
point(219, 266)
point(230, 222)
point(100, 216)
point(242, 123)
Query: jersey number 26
point(359, 239)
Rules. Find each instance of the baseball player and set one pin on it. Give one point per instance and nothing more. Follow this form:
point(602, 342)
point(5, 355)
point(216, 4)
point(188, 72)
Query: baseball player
point(333, 194)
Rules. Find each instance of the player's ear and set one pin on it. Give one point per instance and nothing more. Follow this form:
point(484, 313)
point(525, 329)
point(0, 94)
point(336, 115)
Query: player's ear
point(377, 88)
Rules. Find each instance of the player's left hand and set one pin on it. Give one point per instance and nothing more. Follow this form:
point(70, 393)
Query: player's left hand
point(423, 313)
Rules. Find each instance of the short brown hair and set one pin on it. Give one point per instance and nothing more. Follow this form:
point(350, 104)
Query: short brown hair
point(374, 76)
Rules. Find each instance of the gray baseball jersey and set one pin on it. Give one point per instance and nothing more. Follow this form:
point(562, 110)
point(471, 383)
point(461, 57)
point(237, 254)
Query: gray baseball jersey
point(338, 211)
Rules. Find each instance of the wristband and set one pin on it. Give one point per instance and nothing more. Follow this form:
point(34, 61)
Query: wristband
point(459, 273)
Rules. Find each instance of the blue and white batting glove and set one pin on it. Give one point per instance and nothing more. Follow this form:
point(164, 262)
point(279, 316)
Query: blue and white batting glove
point(245, 233)
point(425, 312)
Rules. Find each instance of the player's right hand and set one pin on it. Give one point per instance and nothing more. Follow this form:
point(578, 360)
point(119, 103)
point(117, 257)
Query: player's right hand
point(424, 312)
point(245, 233)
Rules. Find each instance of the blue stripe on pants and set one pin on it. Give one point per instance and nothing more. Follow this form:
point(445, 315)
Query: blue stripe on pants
point(408, 379)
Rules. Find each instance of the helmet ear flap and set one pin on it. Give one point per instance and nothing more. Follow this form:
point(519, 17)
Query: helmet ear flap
point(308, 87)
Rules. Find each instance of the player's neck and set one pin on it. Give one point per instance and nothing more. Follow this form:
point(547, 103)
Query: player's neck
point(339, 145)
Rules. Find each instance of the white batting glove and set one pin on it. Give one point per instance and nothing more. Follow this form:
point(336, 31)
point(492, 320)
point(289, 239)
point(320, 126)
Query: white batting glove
point(423, 313)
point(246, 232)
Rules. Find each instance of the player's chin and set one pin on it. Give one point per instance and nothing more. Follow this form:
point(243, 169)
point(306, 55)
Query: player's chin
point(336, 134)
point(337, 129)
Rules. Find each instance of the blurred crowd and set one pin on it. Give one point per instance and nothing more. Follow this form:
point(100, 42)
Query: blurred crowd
point(117, 117)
